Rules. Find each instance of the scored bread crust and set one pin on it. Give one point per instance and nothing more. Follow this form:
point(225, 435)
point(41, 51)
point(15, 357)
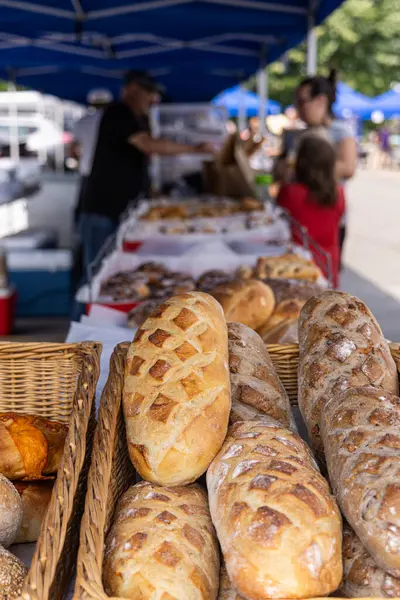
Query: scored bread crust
point(226, 590)
point(287, 266)
point(279, 527)
point(162, 545)
point(176, 397)
point(255, 387)
point(362, 578)
point(249, 301)
point(361, 436)
point(340, 346)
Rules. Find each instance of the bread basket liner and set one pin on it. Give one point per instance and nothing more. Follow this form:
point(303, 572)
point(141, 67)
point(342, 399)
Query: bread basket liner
point(111, 472)
point(56, 382)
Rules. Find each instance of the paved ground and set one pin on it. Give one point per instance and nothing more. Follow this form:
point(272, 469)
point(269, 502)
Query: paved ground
point(372, 255)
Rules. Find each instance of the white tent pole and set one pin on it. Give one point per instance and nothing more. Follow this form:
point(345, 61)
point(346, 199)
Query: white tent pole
point(242, 120)
point(156, 159)
point(311, 43)
point(60, 155)
point(13, 113)
point(262, 89)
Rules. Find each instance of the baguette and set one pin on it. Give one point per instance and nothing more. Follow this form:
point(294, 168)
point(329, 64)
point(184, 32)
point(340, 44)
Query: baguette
point(360, 431)
point(250, 302)
point(176, 397)
point(362, 578)
point(340, 346)
point(255, 386)
point(279, 528)
point(162, 545)
point(30, 447)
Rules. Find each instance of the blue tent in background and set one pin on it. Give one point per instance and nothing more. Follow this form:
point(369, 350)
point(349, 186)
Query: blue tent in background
point(350, 103)
point(388, 103)
point(236, 97)
point(194, 47)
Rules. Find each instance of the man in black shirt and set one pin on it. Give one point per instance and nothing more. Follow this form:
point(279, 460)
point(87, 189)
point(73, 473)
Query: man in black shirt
point(120, 165)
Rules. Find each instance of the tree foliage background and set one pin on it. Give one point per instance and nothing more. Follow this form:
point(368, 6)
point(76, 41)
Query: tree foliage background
point(361, 40)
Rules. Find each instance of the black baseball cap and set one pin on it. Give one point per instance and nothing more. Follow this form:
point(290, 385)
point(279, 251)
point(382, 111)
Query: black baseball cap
point(144, 80)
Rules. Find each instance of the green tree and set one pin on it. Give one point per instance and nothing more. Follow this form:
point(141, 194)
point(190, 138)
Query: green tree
point(361, 40)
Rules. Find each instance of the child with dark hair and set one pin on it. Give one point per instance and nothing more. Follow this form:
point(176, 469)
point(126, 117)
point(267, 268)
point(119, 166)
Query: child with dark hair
point(315, 200)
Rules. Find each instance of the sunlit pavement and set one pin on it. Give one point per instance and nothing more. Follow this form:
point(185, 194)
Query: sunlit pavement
point(372, 255)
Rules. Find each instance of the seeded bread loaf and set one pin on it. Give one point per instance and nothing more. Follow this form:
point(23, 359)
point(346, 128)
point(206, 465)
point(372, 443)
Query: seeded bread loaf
point(162, 545)
point(340, 346)
point(362, 578)
point(361, 436)
point(176, 397)
point(279, 527)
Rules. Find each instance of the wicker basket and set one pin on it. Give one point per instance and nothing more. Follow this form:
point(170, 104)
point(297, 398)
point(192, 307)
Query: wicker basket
point(111, 472)
point(57, 382)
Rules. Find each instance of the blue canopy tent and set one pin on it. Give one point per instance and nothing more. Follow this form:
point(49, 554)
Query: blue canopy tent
point(237, 98)
point(350, 103)
point(388, 103)
point(194, 47)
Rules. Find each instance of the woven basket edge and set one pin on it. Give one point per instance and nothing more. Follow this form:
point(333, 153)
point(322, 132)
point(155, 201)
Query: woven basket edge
point(105, 432)
point(82, 410)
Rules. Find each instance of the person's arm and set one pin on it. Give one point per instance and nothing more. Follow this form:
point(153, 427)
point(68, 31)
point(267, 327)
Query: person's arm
point(144, 142)
point(346, 161)
point(74, 150)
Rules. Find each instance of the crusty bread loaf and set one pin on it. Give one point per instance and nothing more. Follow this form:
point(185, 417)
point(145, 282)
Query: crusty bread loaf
point(362, 578)
point(10, 512)
point(340, 346)
point(30, 447)
point(226, 589)
point(162, 545)
point(250, 302)
point(279, 527)
point(293, 289)
point(361, 435)
point(287, 309)
point(177, 393)
point(12, 575)
point(287, 266)
point(255, 387)
point(286, 332)
point(35, 500)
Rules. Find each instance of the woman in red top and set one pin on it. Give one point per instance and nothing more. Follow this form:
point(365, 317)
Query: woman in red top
point(315, 200)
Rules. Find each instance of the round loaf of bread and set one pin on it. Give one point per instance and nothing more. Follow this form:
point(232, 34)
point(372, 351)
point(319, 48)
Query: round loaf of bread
point(10, 512)
point(12, 575)
point(250, 302)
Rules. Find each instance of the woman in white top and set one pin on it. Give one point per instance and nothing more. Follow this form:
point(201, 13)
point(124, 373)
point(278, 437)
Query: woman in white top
point(314, 99)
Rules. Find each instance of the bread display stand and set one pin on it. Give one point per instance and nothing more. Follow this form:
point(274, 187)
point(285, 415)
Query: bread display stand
point(56, 382)
point(195, 262)
point(111, 471)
